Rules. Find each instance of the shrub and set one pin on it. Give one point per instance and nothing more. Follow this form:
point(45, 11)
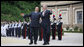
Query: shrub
point(70, 30)
point(14, 8)
point(76, 28)
point(81, 30)
point(67, 28)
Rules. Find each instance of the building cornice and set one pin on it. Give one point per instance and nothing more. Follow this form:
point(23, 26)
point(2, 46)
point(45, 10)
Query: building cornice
point(60, 3)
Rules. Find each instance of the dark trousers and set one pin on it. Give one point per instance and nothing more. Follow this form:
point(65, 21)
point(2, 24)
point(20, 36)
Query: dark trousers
point(28, 30)
point(33, 34)
point(40, 38)
point(12, 31)
point(46, 33)
point(19, 32)
point(53, 33)
point(59, 34)
point(24, 32)
point(16, 31)
point(9, 32)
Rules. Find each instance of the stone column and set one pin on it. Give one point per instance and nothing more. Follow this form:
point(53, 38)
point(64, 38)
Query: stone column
point(71, 15)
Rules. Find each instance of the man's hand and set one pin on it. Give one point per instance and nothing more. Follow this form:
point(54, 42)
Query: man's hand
point(22, 14)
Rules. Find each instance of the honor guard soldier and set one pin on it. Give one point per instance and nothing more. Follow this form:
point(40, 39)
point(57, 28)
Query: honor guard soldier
point(16, 29)
point(19, 28)
point(53, 29)
point(24, 29)
point(7, 33)
point(28, 30)
point(2, 29)
point(12, 28)
point(59, 28)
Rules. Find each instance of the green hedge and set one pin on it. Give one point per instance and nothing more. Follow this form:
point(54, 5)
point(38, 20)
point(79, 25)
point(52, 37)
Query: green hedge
point(10, 10)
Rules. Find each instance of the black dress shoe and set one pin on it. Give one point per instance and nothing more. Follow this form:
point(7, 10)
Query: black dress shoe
point(59, 39)
point(30, 43)
point(53, 39)
point(44, 43)
point(48, 43)
point(35, 43)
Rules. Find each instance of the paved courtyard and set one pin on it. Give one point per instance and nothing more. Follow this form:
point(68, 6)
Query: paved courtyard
point(69, 39)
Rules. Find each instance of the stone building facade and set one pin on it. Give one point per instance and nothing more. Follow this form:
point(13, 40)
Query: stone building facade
point(72, 12)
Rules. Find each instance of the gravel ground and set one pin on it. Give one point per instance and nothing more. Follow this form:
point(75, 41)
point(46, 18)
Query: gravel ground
point(69, 39)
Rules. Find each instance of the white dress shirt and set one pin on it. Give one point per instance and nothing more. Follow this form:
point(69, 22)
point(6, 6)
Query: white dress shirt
point(19, 25)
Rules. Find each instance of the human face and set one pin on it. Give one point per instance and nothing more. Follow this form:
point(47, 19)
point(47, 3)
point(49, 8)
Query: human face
point(36, 9)
point(44, 7)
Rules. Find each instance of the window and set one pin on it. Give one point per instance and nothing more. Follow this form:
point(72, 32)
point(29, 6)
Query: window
point(79, 17)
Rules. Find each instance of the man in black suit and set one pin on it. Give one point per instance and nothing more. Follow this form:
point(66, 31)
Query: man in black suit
point(34, 25)
point(46, 24)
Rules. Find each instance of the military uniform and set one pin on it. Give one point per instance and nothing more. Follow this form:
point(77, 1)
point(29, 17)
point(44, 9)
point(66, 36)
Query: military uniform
point(53, 26)
point(7, 33)
point(59, 28)
point(24, 30)
point(12, 29)
point(28, 30)
point(2, 31)
point(19, 29)
point(16, 29)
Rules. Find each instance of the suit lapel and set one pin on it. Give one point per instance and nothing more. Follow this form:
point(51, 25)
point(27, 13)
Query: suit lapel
point(45, 12)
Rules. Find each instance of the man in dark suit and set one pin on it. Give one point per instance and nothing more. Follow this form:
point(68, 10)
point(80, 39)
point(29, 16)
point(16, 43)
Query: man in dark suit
point(34, 25)
point(46, 24)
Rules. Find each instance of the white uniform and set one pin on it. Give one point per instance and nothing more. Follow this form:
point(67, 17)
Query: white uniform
point(15, 25)
point(12, 25)
point(9, 25)
point(3, 29)
point(58, 22)
point(19, 25)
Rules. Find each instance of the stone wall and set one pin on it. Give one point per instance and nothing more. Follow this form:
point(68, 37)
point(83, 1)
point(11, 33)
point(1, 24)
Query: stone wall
point(68, 11)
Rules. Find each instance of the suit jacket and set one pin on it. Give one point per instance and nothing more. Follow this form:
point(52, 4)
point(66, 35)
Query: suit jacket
point(34, 19)
point(46, 18)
